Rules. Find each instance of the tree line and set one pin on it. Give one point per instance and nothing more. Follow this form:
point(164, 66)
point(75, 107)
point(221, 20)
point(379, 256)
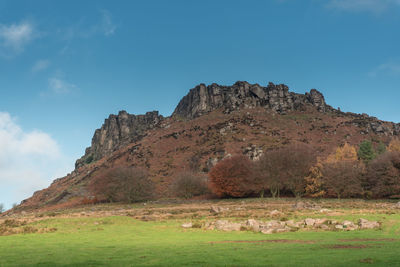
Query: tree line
point(367, 171)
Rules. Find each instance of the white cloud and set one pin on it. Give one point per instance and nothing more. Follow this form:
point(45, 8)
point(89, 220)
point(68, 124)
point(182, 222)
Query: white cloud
point(40, 65)
point(389, 68)
point(107, 24)
point(28, 160)
point(372, 6)
point(16, 36)
point(60, 86)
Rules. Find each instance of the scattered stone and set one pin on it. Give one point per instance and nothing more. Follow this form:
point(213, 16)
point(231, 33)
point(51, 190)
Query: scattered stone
point(275, 226)
point(187, 225)
point(309, 222)
point(397, 205)
point(365, 224)
point(321, 221)
point(253, 225)
point(276, 213)
point(217, 210)
point(324, 210)
point(225, 225)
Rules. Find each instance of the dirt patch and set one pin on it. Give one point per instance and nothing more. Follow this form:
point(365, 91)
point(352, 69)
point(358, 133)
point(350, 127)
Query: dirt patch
point(343, 246)
point(267, 241)
point(369, 239)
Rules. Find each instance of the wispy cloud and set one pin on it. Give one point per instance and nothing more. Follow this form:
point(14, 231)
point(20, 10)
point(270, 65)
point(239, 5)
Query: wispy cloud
point(107, 25)
point(16, 36)
point(103, 26)
point(41, 65)
point(28, 160)
point(59, 86)
point(389, 68)
point(372, 6)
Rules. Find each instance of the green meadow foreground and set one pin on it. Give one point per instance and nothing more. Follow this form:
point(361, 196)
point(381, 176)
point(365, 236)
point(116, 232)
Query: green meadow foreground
point(151, 235)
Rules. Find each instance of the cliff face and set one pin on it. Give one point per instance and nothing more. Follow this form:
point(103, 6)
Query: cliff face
point(203, 99)
point(118, 131)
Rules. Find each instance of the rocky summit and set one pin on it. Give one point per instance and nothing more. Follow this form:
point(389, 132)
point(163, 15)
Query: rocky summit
point(203, 99)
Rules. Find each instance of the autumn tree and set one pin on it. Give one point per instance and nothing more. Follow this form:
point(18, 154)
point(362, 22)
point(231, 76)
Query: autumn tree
point(346, 152)
point(342, 178)
point(314, 184)
point(394, 145)
point(122, 184)
point(232, 177)
point(189, 184)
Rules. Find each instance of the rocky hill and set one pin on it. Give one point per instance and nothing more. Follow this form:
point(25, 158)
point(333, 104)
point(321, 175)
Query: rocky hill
point(210, 123)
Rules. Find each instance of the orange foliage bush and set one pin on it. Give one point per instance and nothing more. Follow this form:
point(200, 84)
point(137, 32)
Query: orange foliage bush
point(232, 177)
point(394, 145)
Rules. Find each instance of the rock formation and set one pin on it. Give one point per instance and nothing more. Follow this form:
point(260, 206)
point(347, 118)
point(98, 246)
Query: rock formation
point(117, 131)
point(203, 99)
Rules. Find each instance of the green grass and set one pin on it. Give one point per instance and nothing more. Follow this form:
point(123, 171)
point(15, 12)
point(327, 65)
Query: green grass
point(123, 241)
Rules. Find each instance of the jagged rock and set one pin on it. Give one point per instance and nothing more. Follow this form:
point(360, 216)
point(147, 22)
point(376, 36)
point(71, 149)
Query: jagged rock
point(117, 131)
point(203, 99)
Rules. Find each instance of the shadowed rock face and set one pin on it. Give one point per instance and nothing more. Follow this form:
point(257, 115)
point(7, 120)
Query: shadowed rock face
point(117, 131)
point(203, 99)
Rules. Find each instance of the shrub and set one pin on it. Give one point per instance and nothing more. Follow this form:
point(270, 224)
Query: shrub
point(232, 177)
point(383, 176)
point(1, 207)
point(189, 184)
point(342, 178)
point(122, 184)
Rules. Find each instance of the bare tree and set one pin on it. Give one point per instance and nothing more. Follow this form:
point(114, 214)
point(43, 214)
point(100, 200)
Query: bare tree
point(284, 167)
point(189, 184)
point(342, 178)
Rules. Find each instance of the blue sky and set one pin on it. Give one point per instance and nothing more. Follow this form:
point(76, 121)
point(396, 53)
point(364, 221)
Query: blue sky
point(66, 65)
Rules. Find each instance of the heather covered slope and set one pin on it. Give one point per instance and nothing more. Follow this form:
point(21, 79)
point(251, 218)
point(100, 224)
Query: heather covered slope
point(209, 124)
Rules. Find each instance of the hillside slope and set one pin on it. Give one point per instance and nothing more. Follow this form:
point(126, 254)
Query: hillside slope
point(210, 123)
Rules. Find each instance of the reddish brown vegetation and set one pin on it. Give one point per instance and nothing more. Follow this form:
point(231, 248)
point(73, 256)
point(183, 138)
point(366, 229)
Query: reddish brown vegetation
point(122, 184)
point(189, 184)
point(284, 168)
point(342, 179)
point(232, 177)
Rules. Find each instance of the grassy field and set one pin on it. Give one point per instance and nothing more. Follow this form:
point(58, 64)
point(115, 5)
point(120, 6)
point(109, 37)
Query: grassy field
point(116, 235)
